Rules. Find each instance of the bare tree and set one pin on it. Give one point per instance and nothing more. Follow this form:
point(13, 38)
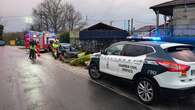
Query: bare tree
point(1, 28)
point(2, 21)
point(57, 16)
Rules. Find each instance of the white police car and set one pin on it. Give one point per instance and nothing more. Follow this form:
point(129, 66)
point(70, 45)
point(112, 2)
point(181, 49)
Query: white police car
point(155, 67)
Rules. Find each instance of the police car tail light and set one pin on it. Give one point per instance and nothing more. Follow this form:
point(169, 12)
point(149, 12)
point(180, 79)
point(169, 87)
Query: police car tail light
point(175, 67)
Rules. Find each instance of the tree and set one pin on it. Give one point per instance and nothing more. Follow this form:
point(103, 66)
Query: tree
point(1, 28)
point(1, 31)
point(65, 37)
point(56, 16)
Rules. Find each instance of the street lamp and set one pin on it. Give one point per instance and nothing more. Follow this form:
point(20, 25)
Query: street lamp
point(28, 20)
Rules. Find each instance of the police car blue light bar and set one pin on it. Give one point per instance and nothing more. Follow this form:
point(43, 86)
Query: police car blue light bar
point(144, 38)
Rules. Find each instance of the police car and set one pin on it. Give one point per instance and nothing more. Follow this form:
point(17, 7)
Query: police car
point(155, 67)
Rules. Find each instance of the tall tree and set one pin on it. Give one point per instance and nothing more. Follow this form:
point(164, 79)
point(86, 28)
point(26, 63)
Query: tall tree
point(57, 16)
point(1, 27)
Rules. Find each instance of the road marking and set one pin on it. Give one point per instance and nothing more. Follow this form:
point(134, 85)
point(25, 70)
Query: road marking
point(107, 87)
point(86, 76)
point(119, 92)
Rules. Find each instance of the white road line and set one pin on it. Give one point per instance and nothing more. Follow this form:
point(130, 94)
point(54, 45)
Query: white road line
point(109, 88)
point(86, 76)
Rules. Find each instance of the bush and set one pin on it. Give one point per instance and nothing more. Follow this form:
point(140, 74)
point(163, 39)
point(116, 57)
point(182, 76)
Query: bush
point(81, 60)
point(65, 37)
point(81, 54)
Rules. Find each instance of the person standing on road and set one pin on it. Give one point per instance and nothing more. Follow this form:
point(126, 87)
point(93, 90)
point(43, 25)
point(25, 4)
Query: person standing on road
point(55, 46)
point(38, 48)
point(32, 49)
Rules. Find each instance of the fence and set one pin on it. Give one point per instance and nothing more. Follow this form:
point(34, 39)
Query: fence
point(176, 31)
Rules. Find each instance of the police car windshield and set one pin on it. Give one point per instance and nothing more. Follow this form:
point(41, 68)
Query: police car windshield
point(184, 53)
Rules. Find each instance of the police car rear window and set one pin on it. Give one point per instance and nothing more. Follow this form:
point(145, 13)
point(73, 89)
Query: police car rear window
point(184, 53)
point(136, 50)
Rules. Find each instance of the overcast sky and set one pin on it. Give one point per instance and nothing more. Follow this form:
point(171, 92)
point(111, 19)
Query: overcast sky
point(117, 11)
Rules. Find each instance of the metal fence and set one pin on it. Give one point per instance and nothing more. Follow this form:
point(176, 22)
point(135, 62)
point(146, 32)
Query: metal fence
point(177, 31)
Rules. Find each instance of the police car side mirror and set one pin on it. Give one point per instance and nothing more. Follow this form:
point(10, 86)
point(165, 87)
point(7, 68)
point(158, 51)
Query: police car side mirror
point(103, 52)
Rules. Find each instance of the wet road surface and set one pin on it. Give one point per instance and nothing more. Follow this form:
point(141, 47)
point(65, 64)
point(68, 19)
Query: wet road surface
point(51, 85)
point(48, 86)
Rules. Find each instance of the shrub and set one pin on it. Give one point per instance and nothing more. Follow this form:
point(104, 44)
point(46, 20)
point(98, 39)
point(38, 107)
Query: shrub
point(64, 37)
point(81, 60)
point(81, 54)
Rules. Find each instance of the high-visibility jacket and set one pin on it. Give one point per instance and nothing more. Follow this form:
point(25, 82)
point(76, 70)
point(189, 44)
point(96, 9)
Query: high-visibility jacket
point(55, 45)
point(38, 48)
point(32, 47)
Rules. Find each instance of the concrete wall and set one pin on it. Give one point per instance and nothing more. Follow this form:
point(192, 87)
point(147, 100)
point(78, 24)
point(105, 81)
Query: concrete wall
point(184, 20)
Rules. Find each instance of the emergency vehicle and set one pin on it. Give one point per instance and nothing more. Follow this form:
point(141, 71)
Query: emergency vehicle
point(43, 38)
point(156, 68)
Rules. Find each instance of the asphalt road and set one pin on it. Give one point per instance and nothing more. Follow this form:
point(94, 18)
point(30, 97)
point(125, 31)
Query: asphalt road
point(48, 86)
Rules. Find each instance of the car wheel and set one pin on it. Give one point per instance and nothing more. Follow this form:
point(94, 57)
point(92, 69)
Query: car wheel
point(94, 72)
point(146, 91)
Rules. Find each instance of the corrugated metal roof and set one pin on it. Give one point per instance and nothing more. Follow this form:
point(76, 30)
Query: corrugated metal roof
point(102, 26)
point(174, 3)
point(167, 7)
point(102, 35)
point(147, 28)
point(102, 31)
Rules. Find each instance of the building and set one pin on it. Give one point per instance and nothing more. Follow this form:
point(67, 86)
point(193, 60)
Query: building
point(145, 31)
point(74, 38)
point(100, 36)
point(179, 18)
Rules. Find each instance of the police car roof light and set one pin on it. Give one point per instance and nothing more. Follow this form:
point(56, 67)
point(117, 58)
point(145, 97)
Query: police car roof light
point(144, 38)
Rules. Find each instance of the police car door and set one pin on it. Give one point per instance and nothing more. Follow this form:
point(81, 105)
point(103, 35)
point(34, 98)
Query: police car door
point(109, 62)
point(132, 60)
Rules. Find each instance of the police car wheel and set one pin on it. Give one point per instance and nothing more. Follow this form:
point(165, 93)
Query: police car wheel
point(94, 72)
point(146, 91)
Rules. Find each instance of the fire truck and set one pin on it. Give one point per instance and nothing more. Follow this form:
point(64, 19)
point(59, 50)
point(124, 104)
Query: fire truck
point(44, 38)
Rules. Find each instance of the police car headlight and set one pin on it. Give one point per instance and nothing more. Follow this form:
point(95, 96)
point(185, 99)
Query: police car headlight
point(96, 55)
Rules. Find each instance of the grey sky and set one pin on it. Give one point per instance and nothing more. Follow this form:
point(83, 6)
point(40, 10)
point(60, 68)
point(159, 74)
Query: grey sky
point(117, 11)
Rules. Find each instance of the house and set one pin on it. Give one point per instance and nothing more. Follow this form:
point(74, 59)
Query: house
point(100, 36)
point(144, 31)
point(180, 13)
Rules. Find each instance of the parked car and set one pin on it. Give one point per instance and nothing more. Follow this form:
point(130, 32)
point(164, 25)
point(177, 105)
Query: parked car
point(156, 68)
point(2, 43)
point(68, 49)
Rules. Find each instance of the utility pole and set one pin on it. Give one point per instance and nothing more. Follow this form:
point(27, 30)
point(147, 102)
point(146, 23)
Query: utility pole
point(185, 10)
point(41, 15)
point(129, 25)
point(86, 20)
point(111, 23)
point(132, 26)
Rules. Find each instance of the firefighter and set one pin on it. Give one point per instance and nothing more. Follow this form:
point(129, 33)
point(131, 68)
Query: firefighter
point(38, 48)
point(55, 46)
point(32, 49)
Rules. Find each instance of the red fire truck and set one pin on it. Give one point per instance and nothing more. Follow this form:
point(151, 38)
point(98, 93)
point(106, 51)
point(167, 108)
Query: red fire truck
point(43, 38)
